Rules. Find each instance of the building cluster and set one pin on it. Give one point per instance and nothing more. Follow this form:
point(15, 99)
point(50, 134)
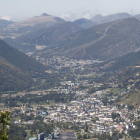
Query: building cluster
point(90, 110)
point(93, 112)
point(67, 62)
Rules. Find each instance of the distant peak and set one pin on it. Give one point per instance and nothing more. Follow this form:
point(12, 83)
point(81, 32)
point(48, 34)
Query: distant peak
point(44, 14)
point(99, 15)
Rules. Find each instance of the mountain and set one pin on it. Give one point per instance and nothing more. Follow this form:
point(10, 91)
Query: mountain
point(16, 69)
point(12, 78)
point(138, 16)
point(39, 39)
point(23, 47)
point(4, 23)
point(18, 59)
point(84, 23)
point(42, 20)
point(31, 24)
point(126, 61)
point(124, 71)
point(129, 79)
point(105, 41)
point(44, 38)
point(99, 19)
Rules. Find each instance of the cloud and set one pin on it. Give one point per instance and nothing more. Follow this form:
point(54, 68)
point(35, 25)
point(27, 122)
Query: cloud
point(86, 15)
point(65, 16)
point(14, 18)
point(80, 13)
point(6, 17)
point(74, 16)
point(17, 18)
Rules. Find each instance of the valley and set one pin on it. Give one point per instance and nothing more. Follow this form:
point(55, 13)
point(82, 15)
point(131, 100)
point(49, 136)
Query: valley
point(80, 79)
point(81, 95)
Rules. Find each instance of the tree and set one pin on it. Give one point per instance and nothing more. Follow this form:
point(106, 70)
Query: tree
point(16, 132)
point(115, 115)
point(86, 127)
point(79, 137)
point(4, 121)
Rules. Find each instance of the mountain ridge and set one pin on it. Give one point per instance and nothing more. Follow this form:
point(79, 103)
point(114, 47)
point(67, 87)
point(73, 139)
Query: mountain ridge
point(35, 23)
point(49, 36)
point(99, 19)
point(5, 23)
point(17, 69)
point(84, 23)
point(104, 41)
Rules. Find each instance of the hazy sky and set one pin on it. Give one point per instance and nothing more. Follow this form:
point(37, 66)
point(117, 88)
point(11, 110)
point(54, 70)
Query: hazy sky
point(67, 9)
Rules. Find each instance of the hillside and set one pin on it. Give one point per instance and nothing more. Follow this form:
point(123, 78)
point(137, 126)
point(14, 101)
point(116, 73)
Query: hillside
point(99, 19)
point(25, 26)
point(84, 23)
point(138, 16)
point(124, 72)
point(12, 78)
point(131, 99)
point(129, 79)
point(105, 41)
point(19, 72)
point(49, 36)
point(18, 59)
point(4, 23)
point(131, 59)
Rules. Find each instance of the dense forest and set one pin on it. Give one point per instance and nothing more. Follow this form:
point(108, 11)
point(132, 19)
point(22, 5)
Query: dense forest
point(19, 72)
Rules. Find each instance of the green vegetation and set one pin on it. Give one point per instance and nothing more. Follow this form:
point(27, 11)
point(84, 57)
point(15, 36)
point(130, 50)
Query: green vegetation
point(104, 136)
point(18, 59)
point(16, 132)
point(126, 61)
point(36, 99)
point(4, 121)
point(19, 72)
point(132, 98)
point(90, 77)
point(136, 132)
point(117, 90)
point(12, 78)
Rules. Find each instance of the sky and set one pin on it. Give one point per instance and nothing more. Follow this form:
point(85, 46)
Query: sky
point(17, 10)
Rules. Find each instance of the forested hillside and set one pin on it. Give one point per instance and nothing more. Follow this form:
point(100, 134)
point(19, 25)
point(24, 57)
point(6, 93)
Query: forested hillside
point(20, 72)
